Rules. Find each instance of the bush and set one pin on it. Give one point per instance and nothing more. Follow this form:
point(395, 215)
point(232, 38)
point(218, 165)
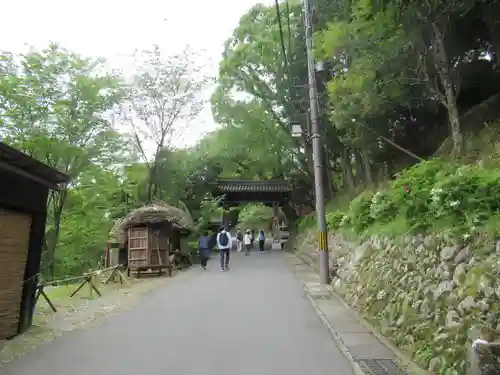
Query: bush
point(468, 197)
point(383, 207)
point(334, 220)
point(411, 191)
point(359, 212)
point(255, 216)
point(435, 193)
point(306, 222)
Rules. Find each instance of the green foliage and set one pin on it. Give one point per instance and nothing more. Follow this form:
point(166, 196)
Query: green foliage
point(255, 216)
point(55, 106)
point(211, 211)
point(468, 197)
point(334, 220)
point(431, 195)
point(414, 205)
point(306, 222)
point(360, 211)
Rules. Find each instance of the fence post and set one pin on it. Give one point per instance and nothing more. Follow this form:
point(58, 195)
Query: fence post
point(90, 282)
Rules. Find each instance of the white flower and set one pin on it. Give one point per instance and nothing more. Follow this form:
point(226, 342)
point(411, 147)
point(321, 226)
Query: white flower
point(436, 194)
point(436, 191)
point(454, 203)
point(344, 220)
point(381, 294)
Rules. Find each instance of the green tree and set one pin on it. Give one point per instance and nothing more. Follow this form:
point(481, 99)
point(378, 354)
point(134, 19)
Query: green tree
point(255, 216)
point(92, 205)
point(54, 107)
point(164, 96)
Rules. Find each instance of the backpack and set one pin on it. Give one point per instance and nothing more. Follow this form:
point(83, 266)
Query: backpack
point(223, 239)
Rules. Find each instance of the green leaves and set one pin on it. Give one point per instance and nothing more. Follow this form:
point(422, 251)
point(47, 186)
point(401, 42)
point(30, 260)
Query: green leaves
point(55, 106)
point(255, 216)
point(365, 47)
point(252, 100)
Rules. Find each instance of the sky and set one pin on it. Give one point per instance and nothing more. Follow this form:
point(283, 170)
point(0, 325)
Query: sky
point(114, 29)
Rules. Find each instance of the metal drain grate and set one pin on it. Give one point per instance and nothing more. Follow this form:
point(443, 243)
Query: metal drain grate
point(380, 367)
point(319, 296)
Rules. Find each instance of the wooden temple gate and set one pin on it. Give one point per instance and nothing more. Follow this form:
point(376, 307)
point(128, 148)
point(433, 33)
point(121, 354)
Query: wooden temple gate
point(273, 193)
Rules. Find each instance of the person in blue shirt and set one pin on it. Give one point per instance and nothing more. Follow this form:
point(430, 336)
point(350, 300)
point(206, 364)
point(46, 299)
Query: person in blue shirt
point(262, 240)
point(204, 249)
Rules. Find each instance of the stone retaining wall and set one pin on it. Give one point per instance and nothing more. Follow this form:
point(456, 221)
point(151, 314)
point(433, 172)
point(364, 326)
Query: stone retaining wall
point(425, 293)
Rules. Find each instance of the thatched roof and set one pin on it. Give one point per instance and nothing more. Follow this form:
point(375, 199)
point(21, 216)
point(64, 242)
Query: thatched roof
point(155, 213)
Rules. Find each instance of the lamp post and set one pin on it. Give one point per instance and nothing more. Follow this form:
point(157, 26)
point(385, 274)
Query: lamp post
point(316, 148)
point(296, 130)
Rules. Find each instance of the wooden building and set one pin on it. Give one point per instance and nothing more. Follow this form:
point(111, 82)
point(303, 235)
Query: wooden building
point(146, 238)
point(268, 192)
point(274, 193)
point(24, 189)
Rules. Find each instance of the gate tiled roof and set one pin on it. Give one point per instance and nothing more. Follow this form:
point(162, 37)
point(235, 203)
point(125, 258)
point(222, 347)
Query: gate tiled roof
point(254, 186)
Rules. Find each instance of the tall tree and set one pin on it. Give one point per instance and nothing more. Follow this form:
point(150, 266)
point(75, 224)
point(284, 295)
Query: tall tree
point(54, 107)
point(165, 94)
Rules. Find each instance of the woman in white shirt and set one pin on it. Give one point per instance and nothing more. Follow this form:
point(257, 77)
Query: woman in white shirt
point(247, 241)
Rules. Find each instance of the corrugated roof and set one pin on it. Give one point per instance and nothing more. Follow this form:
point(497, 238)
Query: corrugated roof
point(253, 186)
point(17, 160)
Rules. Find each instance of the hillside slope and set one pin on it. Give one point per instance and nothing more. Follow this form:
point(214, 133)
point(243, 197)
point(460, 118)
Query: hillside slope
point(420, 257)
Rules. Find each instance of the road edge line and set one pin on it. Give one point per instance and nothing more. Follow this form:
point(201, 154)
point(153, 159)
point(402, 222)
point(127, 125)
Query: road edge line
point(404, 360)
point(338, 341)
point(336, 337)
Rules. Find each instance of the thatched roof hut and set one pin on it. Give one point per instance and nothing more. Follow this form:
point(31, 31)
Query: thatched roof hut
point(154, 213)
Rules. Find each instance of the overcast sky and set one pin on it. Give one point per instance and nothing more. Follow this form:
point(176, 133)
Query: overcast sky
point(114, 29)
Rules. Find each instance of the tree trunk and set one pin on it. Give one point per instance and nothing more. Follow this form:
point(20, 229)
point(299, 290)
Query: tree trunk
point(345, 164)
point(358, 166)
point(450, 93)
point(456, 133)
point(367, 168)
point(151, 182)
point(57, 210)
point(388, 170)
point(290, 213)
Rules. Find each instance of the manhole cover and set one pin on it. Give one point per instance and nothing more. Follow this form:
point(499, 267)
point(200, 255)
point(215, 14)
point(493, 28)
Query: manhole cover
point(380, 367)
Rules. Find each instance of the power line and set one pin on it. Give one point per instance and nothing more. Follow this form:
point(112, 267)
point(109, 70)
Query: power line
point(282, 38)
point(286, 59)
point(287, 8)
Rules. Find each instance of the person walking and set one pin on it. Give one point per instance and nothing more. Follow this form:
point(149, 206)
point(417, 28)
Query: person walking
point(239, 239)
point(204, 249)
point(247, 242)
point(224, 244)
point(262, 240)
point(252, 236)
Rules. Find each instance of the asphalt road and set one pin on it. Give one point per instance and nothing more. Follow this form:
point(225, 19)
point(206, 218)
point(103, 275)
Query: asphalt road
point(252, 320)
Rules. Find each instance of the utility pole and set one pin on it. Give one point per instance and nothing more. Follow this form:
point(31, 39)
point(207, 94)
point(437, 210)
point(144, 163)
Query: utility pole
point(317, 154)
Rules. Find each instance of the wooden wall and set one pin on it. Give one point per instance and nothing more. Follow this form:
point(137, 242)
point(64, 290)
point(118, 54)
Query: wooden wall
point(26, 196)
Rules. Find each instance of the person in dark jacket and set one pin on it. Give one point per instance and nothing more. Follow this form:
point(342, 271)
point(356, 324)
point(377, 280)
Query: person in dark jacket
point(262, 240)
point(204, 249)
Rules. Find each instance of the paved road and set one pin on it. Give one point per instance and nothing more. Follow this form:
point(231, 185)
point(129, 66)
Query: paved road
point(254, 319)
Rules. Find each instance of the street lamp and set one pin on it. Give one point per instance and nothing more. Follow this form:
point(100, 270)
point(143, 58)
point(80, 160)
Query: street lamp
point(296, 130)
point(320, 66)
